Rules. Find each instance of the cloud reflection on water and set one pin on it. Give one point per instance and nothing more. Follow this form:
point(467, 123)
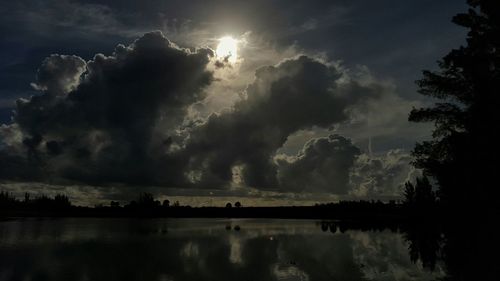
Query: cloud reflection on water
point(199, 249)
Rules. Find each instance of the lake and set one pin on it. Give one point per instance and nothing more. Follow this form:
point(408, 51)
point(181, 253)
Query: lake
point(202, 249)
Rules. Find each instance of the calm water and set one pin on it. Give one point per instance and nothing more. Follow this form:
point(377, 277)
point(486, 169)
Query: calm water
point(200, 249)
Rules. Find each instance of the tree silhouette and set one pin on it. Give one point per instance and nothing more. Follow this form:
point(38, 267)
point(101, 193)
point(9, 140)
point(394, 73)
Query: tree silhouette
point(419, 197)
point(166, 203)
point(61, 201)
point(146, 200)
point(424, 243)
point(462, 154)
point(409, 194)
point(423, 192)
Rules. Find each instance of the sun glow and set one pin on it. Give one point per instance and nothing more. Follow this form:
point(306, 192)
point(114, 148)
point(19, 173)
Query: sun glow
point(227, 49)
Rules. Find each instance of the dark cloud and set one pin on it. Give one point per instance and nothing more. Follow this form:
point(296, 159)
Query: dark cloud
point(352, 28)
point(124, 119)
point(382, 175)
point(59, 74)
point(296, 94)
point(106, 119)
point(324, 165)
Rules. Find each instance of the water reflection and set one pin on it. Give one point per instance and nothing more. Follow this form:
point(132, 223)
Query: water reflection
point(205, 249)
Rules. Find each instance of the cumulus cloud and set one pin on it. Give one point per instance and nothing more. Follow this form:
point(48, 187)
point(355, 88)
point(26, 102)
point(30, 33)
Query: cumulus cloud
point(296, 94)
point(59, 74)
point(378, 124)
point(335, 165)
point(323, 165)
point(140, 116)
point(110, 118)
point(382, 175)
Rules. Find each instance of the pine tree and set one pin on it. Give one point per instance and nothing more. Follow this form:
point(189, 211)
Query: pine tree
point(463, 154)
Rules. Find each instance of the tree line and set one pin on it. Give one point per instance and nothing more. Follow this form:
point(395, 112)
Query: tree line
point(147, 205)
point(462, 157)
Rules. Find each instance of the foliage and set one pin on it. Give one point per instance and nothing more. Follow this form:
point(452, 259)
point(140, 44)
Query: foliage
point(462, 154)
point(420, 194)
point(59, 202)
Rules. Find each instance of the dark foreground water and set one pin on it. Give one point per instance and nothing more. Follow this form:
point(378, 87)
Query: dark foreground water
point(201, 249)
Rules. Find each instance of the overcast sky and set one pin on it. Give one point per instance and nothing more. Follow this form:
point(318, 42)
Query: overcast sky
point(104, 99)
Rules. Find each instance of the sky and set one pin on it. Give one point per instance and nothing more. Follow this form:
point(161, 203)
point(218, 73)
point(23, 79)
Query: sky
point(102, 100)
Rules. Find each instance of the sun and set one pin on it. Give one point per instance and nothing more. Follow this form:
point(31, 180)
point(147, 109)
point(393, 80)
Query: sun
point(227, 49)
